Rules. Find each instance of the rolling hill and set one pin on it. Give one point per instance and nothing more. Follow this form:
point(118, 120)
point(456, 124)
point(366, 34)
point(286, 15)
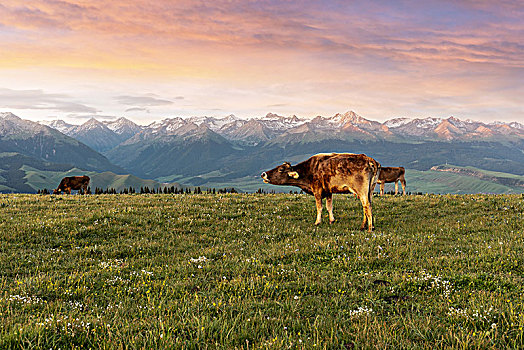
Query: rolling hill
point(19, 173)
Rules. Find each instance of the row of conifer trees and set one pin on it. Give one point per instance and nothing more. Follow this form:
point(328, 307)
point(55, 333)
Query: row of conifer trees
point(176, 190)
point(147, 190)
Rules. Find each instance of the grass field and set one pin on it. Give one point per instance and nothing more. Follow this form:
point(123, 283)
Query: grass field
point(251, 272)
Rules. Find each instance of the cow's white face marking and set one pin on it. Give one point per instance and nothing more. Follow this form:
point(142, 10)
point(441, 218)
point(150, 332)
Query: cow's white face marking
point(293, 174)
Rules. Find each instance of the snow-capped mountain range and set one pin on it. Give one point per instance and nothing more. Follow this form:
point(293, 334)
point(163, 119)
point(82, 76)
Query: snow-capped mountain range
point(99, 135)
point(208, 151)
point(104, 135)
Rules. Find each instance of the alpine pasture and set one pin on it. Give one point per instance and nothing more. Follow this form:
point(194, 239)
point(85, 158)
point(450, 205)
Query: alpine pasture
point(251, 271)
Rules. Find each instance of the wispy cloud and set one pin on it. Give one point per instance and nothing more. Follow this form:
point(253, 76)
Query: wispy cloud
point(138, 109)
point(149, 101)
point(38, 99)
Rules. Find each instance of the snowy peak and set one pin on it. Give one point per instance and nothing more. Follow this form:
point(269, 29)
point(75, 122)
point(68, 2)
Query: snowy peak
point(251, 132)
point(123, 126)
point(427, 123)
point(348, 118)
point(457, 122)
point(12, 124)
point(514, 125)
point(447, 130)
point(276, 122)
point(452, 128)
point(214, 124)
point(166, 126)
point(396, 122)
point(59, 125)
point(8, 116)
point(92, 123)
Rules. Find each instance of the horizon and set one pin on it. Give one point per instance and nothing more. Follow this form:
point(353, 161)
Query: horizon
point(142, 60)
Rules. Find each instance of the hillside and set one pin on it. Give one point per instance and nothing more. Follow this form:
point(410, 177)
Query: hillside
point(15, 178)
point(46, 144)
point(437, 181)
point(185, 271)
point(33, 179)
point(171, 149)
point(19, 173)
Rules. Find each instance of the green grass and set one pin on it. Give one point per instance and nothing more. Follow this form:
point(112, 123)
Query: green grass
point(251, 271)
point(431, 181)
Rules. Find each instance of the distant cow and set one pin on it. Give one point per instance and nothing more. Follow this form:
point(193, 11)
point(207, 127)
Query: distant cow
point(73, 183)
point(327, 173)
point(392, 174)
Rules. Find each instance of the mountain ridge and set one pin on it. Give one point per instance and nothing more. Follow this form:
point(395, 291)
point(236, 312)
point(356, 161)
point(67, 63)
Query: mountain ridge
point(349, 125)
point(212, 152)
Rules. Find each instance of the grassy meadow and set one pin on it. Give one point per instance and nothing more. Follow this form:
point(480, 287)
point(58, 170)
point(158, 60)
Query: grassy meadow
point(251, 271)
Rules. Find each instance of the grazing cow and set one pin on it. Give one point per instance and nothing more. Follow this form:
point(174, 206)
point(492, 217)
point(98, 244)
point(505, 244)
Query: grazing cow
point(73, 183)
point(392, 174)
point(327, 173)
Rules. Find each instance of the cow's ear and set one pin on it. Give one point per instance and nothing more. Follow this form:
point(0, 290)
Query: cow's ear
point(287, 165)
point(293, 174)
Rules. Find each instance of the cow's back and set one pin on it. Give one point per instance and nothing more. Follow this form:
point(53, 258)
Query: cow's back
point(391, 174)
point(345, 164)
point(347, 172)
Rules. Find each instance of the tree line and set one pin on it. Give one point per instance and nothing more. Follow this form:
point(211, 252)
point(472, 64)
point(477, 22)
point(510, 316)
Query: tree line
point(152, 190)
point(187, 190)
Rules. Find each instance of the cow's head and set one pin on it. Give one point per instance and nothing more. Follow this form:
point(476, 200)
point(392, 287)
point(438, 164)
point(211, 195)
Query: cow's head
point(281, 175)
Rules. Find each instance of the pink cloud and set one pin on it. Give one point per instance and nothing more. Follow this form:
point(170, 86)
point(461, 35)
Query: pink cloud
point(392, 50)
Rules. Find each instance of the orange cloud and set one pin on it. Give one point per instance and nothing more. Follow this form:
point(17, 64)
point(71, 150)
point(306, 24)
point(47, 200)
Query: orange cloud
point(332, 53)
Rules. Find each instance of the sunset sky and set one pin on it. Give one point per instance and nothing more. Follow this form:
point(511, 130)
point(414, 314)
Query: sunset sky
point(148, 60)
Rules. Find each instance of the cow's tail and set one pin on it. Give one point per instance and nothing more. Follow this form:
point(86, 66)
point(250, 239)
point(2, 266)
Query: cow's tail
point(375, 171)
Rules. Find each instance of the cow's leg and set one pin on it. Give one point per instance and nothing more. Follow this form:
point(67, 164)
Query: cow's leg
point(382, 184)
point(403, 183)
point(368, 216)
point(396, 187)
point(318, 201)
point(68, 190)
point(329, 206)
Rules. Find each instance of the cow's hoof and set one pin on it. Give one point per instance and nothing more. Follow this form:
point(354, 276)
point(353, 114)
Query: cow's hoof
point(362, 228)
point(331, 221)
point(317, 223)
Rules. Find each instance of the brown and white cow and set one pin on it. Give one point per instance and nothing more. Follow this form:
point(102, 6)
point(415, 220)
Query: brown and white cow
point(73, 183)
point(327, 173)
point(392, 174)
